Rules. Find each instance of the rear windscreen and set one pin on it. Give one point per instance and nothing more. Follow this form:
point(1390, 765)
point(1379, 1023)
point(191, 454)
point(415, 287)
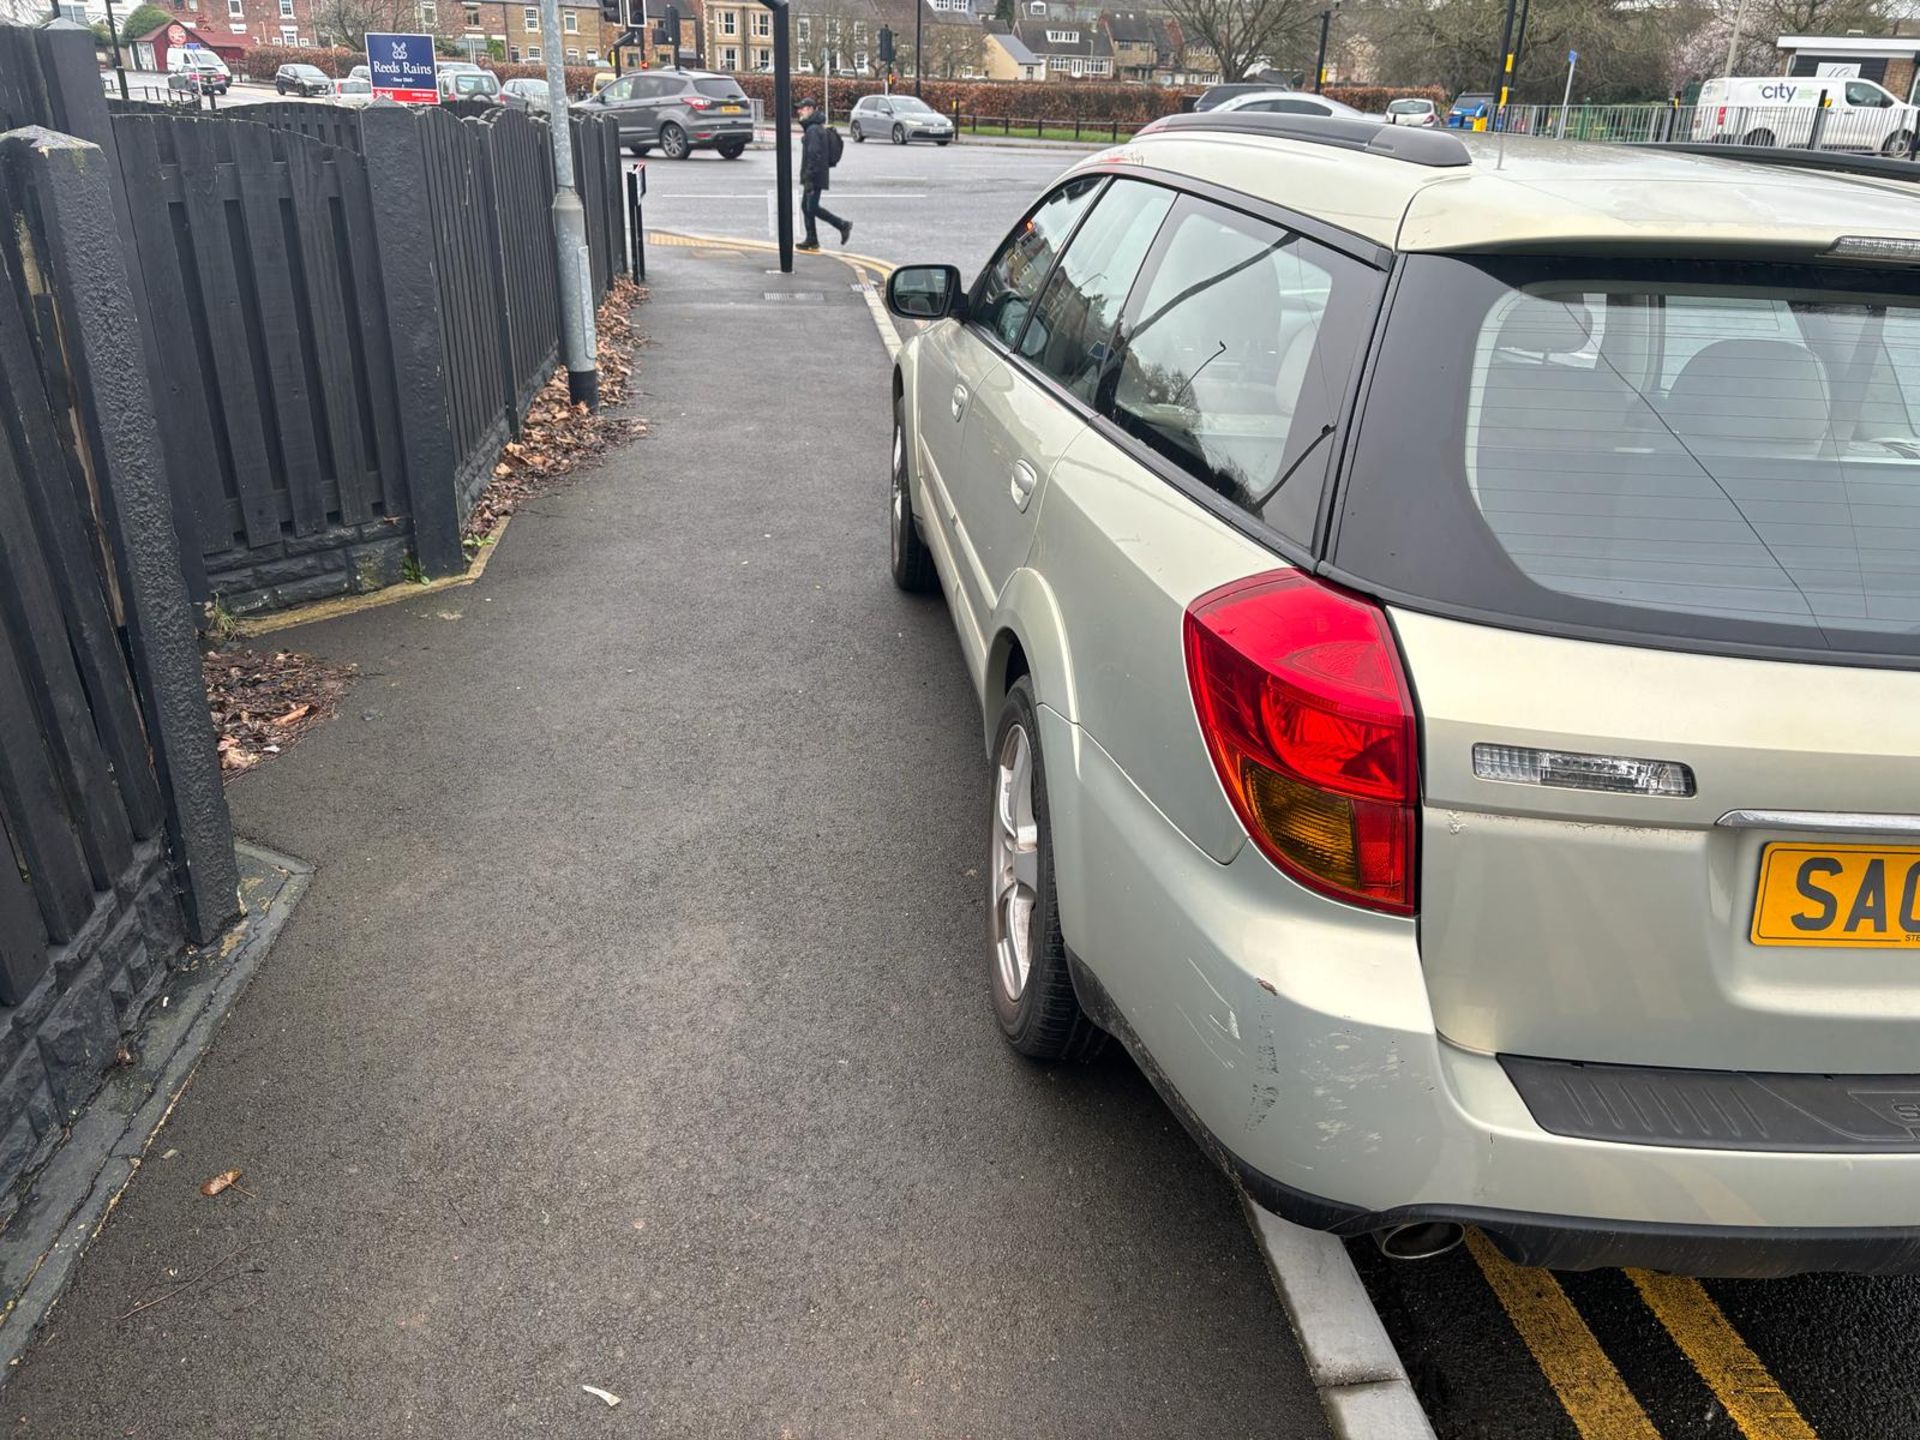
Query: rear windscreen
point(722, 89)
point(1697, 451)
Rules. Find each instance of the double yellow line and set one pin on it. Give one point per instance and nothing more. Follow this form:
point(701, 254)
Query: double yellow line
point(1587, 1382)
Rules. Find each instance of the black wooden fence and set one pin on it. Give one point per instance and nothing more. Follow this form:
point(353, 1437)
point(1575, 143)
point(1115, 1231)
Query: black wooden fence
point(351, 308)
point(114, 839)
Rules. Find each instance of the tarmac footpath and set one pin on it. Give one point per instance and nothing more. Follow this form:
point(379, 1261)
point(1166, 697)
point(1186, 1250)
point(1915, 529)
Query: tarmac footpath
point(633, 1031)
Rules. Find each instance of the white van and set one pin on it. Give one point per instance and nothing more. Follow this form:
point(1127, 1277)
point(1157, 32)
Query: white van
point(188, 69)
point(1780, 110)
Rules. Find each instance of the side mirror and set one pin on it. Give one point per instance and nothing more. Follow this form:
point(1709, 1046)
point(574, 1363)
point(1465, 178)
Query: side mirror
point(926, 292)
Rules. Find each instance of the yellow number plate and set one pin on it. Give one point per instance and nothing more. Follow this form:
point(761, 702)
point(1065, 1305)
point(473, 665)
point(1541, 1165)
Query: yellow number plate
point(1838, 895)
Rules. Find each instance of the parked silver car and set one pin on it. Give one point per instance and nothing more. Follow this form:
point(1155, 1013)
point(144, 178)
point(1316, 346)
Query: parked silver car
point(1446, 613)
point(1286, 102)
point(898, 118)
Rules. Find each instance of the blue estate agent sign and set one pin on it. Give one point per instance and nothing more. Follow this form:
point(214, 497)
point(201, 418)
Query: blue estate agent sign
point(401, 67)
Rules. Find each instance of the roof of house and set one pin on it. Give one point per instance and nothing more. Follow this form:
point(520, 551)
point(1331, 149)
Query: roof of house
point(1014, 46)
point(1527, 192)
point(1088, 41)
point(1129, 28)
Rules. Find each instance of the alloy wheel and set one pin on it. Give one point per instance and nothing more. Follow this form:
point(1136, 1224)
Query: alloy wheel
point(1014, 868)
point(896, 532)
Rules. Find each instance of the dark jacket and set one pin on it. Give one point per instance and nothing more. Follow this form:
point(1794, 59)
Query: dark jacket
point(815, 162)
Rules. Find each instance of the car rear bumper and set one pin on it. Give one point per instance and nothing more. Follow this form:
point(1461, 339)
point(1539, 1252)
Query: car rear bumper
point(1293, 1037)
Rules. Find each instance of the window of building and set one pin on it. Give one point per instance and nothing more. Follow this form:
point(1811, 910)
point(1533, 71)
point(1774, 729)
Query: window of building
point(803, 29)
point(1063, 37)
point(286, 9)
point(573, 57)
point(530, 20)
point(237, 9)
point(429, 14)
point(860, 61)
point(533, 52)
point(729, 57)
point(570, 22)
point(289, 35)
point(763, 59)
point(729, 22)
point(762, 24)
point(473, 17)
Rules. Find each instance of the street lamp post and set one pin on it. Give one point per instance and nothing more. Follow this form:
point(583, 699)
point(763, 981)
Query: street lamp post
point(783, 130)
point(578, 346)
point(113, 34)
point(919, 45)
point(1506, 68)
point(1320, 64)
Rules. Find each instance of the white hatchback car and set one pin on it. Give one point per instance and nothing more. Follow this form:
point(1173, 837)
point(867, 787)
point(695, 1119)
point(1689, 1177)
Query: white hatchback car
point(1447, 617)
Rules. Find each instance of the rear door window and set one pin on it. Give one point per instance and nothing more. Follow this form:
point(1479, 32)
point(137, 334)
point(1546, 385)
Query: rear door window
point(1071, 328)
point(1240, 341)
point(720, 89)
point(1714, 452)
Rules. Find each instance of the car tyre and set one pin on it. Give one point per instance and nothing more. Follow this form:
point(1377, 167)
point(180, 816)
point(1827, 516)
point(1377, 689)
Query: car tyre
point(943, 143)
point(1038, 1011)
point(673, 142)
point(1896, 146)
point(858, 138)
point(912, 561)
point(899, 134)
point(732, 150)
point(281, 91)
point(1758, 137)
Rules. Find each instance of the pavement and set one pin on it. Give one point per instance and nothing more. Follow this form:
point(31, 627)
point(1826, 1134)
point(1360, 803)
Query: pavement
point(634, 1029)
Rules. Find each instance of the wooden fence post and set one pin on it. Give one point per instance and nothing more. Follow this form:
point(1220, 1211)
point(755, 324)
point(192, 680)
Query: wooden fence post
point(76, 239)
point(50, 78)
point(403, 225)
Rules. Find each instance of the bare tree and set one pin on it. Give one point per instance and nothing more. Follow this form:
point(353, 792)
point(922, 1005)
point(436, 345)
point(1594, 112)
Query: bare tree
point(1244, 34)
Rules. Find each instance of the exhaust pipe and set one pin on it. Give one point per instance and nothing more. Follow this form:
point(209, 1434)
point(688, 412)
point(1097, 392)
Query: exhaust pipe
point(1420, 1241)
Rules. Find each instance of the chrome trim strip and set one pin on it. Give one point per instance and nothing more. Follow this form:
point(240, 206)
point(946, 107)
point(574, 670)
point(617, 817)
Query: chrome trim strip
point(1849, 821)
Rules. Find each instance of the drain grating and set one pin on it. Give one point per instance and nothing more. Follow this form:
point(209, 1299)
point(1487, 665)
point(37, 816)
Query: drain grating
point(814, 295)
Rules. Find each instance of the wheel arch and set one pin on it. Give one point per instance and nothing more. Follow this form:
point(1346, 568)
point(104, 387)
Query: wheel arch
point(1029, 638)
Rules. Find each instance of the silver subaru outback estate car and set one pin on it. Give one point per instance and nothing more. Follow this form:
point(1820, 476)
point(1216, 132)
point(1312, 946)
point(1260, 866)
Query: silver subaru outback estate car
point(1447, 617)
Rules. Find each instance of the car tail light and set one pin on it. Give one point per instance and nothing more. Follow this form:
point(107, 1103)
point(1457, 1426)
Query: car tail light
point(698, 102)
point(1305, 709)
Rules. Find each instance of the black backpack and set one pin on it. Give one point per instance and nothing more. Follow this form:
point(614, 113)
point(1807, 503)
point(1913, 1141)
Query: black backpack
point(836, 147)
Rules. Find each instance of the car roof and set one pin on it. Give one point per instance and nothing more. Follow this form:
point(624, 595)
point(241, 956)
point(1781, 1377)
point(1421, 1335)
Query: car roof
point(1521, 192)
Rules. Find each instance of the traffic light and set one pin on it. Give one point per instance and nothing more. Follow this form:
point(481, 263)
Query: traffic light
point(610, 11)
point(673, 34)
point(886, 46)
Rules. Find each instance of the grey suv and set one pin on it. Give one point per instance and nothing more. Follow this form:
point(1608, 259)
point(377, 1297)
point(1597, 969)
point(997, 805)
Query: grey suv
point(680, 111)
point(1446, 613)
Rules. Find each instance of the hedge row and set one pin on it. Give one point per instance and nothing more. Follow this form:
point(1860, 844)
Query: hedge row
point(1059, 100)
point(263, 61)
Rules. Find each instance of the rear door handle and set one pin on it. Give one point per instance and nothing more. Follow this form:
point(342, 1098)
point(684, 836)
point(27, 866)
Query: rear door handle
point(959, 401)
point(1023, 482)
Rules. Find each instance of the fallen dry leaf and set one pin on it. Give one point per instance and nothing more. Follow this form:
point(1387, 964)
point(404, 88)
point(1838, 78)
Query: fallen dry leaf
point(220, 1182)
point(296, 713)
point(606, 1395)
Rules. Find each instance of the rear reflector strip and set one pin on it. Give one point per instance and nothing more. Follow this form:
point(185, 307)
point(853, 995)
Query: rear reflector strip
point(1570, 770)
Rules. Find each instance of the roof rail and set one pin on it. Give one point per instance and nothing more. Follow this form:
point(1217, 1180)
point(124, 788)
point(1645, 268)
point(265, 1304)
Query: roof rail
point(1394, 142)
point(1878, 167)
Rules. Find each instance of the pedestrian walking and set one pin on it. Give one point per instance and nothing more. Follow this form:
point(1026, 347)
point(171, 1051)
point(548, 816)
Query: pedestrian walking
point(820, 147)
